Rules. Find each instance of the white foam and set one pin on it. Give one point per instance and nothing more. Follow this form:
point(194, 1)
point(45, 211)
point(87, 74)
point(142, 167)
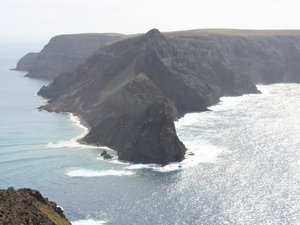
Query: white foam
point(226, 103)
point(89, 222)
point(266, 89)
point(78, 123)
point(187, 119)
point(115, 161)
point(95, 173)
point(74, 142)
point(142, 166)
point(201, 153)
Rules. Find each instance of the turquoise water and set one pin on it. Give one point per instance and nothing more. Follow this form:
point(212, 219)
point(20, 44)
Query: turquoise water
point(242, 167)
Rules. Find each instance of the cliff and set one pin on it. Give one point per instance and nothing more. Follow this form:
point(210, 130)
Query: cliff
point(130, 91)
point(28, 207)
point(116, 88)
point(265, 56)
point(26, 62)
point(63, 53)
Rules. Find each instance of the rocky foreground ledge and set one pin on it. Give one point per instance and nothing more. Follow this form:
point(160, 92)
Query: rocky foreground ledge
point(29, 207)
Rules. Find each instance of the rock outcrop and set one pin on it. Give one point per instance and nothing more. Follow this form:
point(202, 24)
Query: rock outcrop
point(27, 61)
point(147, 137)
point(113, 90)
point(63, 53)
point(29, 207)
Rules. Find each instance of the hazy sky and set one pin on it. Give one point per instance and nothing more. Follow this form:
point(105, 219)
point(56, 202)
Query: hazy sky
point(35, 19)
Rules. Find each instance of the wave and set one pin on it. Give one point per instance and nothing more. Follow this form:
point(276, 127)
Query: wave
point(74, 142)
point(95, 173)
point(29, 159)
point(187, 120)
point(89, 222)
point(203, 154)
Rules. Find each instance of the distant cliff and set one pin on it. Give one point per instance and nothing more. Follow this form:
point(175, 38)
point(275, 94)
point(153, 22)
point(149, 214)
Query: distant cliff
point(26, 206)
point(266, 57)
point(27, 61)
point(63, 53)
point(130, 91)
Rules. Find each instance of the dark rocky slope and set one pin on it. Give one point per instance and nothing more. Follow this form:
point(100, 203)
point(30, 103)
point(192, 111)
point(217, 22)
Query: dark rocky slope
point(118, 87)
point(28, 207)
point(264, 56)
point(63, 53)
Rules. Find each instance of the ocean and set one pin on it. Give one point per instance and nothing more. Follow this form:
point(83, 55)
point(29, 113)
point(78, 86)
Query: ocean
point(242, 166)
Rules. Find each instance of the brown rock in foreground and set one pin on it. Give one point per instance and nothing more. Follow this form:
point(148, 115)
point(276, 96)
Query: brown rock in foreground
point(29, 207)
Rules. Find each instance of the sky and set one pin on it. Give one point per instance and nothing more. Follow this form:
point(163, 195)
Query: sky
point(42, 19)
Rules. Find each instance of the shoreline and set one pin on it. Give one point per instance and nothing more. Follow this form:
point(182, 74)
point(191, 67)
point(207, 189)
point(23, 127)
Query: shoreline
point(75, 142)
point(81, 124)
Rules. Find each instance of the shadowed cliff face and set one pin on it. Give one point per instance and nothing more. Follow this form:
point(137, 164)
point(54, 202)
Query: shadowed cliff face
point(63, 53)
point(26, 206)
point(113, 90)
point(265, 57)
point(145, 137)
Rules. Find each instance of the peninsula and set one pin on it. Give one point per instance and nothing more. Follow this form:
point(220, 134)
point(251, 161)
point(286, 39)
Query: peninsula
point(130, 91)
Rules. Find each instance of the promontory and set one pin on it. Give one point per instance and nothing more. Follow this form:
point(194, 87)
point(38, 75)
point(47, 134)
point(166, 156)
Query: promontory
point(131, 90)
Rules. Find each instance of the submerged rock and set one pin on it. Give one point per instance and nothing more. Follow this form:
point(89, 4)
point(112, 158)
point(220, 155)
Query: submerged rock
point(29, 207)
point(105, 155)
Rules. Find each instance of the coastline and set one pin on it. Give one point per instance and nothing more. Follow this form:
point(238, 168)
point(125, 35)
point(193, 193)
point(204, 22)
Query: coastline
point(203, 153)
point(75, 141)
point(82, 125)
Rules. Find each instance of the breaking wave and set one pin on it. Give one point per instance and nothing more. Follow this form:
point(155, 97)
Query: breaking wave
point(74, 142)
point(95, 173)
point(89, 222)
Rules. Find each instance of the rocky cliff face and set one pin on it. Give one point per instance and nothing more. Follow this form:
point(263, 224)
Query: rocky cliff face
point(264, 56)
point(113, 90)
point(26, 62)
point(63, 53)
point(145, 137)
point(28, 207)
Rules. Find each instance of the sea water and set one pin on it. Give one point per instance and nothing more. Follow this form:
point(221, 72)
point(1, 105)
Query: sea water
point(242, 165)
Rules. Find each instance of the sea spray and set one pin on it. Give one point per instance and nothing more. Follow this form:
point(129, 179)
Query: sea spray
point(89, 222)
point(93, 173)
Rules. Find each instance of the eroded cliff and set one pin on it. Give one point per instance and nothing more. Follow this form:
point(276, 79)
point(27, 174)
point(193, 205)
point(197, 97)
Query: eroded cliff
point(63, 53)
point(121, 81)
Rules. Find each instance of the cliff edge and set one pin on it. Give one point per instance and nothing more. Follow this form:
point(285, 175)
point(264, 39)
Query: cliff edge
point(29, 207)
point(63, 53)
